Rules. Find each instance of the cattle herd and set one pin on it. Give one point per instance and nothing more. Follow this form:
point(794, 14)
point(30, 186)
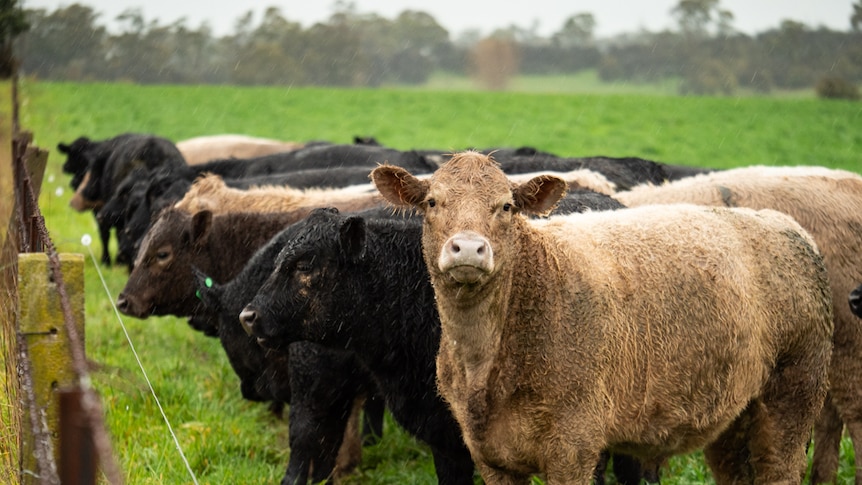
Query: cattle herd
point(521, 313)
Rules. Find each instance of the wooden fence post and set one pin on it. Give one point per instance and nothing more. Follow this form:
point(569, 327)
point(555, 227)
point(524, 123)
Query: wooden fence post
point(41, 322)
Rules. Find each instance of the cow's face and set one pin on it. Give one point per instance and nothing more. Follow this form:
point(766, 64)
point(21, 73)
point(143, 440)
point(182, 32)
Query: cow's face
point(471, 216)
point(77, 158)
point(162, 282)
point(310, 275)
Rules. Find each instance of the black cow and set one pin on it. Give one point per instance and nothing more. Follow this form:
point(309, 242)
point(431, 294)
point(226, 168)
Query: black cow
point(370, 298)
point(624, 172)
point(83, 150)
point(330, 388)
point(99, 167)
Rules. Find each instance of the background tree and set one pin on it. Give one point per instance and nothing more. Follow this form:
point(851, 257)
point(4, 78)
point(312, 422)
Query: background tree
point(13, 22)
point(267, 54)
point(422, 46)
point(64, 44)
point(856, 17)
point(695, 17)
point(577, 30)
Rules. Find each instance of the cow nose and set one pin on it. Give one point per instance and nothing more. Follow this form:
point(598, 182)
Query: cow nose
point(467, 249)
point(247, 318)
point(122, 304)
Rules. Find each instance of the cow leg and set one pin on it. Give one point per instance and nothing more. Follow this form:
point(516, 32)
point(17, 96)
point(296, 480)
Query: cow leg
point(453, 468)
point(498, 477)
point(372, 428)
point(323, 401)
point(827, 442)
point(581, 468)
point(854, 429)
point(105, 237)
point(601, 468)
point(728, 457)
point(782, 418)
point(631, 471)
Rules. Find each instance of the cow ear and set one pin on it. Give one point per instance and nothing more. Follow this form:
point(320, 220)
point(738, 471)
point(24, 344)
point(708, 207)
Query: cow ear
point(540, 194)
point(64, 148)
point(352, 238)
point(201, 223)
point(397, 186)
point(207, 291)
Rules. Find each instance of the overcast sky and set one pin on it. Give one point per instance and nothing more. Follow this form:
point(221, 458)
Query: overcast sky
point(456, 16)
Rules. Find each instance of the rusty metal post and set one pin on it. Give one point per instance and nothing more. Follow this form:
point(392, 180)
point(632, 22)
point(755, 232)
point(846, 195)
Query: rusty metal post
point(78, 463)
point(41, 323)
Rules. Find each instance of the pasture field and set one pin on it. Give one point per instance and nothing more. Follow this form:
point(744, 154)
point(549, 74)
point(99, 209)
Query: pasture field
point(228, 440)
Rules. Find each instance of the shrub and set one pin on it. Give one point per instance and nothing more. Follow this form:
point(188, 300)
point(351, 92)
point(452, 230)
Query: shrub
point(836, 88)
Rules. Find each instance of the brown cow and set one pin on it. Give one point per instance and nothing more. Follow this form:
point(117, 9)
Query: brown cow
point(827, 203)
point(209, 192)
point(649, 331)
point(202, 149)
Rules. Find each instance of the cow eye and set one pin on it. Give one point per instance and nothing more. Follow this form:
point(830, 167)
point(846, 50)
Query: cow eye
point(303, 266)
point(432, 202)
point(162, 255)
point(507, 207)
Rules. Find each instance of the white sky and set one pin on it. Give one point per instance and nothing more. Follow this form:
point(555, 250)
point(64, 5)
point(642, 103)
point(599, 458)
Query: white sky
point(456, 16)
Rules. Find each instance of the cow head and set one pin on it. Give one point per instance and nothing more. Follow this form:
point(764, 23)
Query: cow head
point(319, 260)
point(472, 216)
point(77, 158)
point(162, 282)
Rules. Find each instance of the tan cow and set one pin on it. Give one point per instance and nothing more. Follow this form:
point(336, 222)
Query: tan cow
point(827, 203)
point(650, 331)
point(209, 192)
point(202, 149)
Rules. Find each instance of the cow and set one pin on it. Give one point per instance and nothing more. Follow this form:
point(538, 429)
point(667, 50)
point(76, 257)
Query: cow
point(162, 282)
point(827, 203)
point(210, 192)
point(82, 150)
point(98, 168)
point(623, 172)
point(325, 287)
point(201, 149)
point(652, 331)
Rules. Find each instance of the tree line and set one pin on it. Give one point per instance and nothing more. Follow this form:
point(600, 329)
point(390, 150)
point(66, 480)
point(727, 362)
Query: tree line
point(705, 54)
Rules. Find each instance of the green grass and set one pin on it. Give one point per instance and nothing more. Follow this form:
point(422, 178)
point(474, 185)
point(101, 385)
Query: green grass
point(228, 440)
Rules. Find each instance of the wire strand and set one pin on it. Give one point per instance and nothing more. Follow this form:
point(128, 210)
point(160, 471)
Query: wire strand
point(141, 365)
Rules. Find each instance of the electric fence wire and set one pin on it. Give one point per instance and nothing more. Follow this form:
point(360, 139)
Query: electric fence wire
point(86, 240)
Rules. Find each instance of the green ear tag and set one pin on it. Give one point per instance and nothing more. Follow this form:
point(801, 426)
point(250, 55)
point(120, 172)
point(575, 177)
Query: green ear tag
point(208, 282)
point(198, 294)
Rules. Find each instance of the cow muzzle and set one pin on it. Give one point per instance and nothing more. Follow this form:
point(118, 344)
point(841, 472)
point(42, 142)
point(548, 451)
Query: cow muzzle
point(466, 257)
point(131, 306)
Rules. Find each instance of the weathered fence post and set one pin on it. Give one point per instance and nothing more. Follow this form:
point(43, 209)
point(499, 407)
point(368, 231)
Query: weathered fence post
point(42, 325)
